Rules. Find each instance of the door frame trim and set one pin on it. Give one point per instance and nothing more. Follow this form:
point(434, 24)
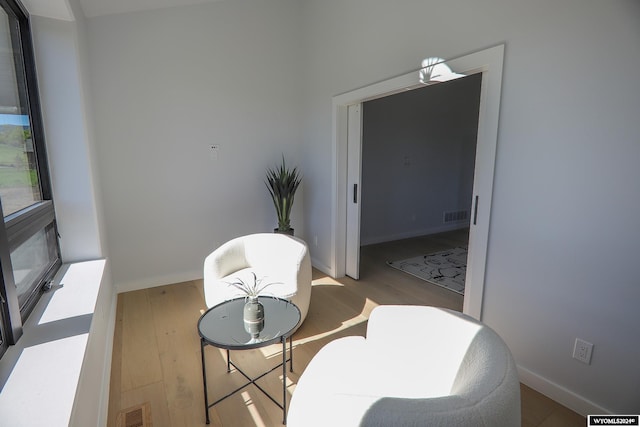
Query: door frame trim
point(354, 180)
point(489, 62)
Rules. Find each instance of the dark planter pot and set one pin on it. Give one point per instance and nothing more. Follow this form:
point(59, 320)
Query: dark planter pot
point(288, 232)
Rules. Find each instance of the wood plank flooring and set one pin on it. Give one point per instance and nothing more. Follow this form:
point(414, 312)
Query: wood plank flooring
point(156, 355)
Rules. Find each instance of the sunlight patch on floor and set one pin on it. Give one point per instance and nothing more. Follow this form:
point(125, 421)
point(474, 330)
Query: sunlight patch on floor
point(253, 411)
point(345, 325)
point(326, 281)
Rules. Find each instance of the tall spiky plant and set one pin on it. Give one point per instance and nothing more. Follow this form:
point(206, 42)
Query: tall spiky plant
point(251, 290)
point(282, 184)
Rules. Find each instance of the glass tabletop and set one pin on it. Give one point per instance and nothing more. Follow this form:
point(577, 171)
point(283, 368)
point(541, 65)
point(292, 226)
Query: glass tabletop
point(223, 326)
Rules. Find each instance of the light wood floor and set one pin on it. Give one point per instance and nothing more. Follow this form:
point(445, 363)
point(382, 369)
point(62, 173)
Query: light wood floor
point(156, 354)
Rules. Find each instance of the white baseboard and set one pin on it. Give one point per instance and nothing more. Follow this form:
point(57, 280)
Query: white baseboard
point(95, 376)
point(170, 279)
point(152, 282)
point(372, 240)
point(103, 412)
point(322, 267)
point(564, 396)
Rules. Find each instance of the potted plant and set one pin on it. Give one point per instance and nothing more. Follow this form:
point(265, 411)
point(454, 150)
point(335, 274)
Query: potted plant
point(253, 312)
point(282, 184)
point(248, 290)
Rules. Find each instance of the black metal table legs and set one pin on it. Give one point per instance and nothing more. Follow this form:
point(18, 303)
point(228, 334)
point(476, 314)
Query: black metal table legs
point(250, 380)
point(204, 381)
point(284, 380)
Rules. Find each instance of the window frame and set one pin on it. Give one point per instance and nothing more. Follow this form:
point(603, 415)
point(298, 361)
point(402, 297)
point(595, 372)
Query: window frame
point(19, 226)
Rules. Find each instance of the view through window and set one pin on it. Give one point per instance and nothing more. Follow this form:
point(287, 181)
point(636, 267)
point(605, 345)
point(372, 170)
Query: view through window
point(29, 252)
point(19, 184)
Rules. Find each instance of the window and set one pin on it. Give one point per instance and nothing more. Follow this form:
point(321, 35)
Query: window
point(29, 251)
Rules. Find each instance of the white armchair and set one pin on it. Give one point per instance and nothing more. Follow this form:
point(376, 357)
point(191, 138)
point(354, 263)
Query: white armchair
point(276, 258)
point(418, 366)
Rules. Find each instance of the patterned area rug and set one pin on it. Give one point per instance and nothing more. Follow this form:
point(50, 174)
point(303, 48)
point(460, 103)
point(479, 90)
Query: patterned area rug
point(446, 268)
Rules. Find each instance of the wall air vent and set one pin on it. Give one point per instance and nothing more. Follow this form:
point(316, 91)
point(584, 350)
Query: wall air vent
point(455, 216)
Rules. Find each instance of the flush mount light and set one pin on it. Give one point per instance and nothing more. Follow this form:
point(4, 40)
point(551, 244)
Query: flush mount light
point(434, 70)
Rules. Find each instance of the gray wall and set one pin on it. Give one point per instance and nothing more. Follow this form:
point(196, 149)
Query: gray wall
point(61, 57)
point(167, 84)
point(258, 77)
point(418, 155)
point(563, 239)
point(64, 93)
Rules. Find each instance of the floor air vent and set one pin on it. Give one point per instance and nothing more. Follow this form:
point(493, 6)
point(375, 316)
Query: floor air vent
point(455, 216)
point(136, 416)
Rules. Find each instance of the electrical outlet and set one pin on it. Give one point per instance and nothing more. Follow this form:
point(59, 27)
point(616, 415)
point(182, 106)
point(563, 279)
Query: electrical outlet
point(582, 351)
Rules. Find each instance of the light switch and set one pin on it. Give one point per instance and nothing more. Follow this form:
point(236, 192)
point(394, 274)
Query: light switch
point(214, 151)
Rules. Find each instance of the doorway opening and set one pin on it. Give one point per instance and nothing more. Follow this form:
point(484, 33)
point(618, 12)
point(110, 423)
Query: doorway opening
point(418, 160)
point(346, 126)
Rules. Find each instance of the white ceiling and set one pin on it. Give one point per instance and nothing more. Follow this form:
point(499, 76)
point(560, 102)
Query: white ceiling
point(60, 9)
point(57, 9)
point(108, 7)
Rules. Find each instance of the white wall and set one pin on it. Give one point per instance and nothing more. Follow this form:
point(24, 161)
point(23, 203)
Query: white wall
point(169, 83)
point(563, 239)
point(67, 124)
point(418, 155)
point(61, 60)
point(257, 78)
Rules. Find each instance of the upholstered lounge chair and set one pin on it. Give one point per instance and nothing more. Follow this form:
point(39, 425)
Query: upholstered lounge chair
point(418, 366)
point(275, 258)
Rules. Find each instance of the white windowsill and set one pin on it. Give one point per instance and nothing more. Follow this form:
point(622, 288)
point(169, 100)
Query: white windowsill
point(63, 356)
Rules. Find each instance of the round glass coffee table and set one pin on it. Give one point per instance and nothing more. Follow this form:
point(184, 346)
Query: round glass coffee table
point(222, 326)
